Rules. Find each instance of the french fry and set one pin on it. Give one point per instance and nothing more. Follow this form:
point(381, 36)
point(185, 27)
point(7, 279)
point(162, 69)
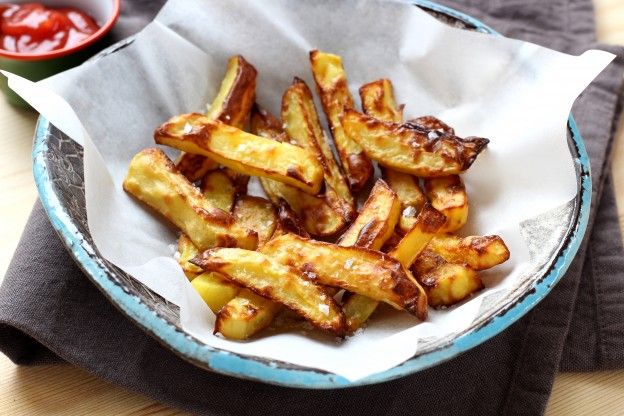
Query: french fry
point(248, 313)
point(411, 196)
point(288, 222)
point(449, 284)
point(408, 149)
point(429, 220)
point(154, 180)
point(367, 272)
point(429, 123)
point(195, 166)
point(219, 190)
point(477, 252)
point(378, 101)
point(245, 315)
point(239, 180)
point(264, 124)
point(186, 251)
point(256, 214)
point(448, 195)
point(371, 229)
point(215, 289)
point(277, 282)
point(331, 82)
point(427, 224)
point(317, 215)
point(375, 224)
point(241, 151)
point(302, 124)
point(445, 283)
point(230, 106)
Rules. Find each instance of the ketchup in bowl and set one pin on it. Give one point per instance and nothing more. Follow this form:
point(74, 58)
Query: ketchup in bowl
point(34, 28)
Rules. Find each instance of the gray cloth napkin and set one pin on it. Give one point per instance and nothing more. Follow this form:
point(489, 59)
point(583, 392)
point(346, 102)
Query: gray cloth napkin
point(49, 311)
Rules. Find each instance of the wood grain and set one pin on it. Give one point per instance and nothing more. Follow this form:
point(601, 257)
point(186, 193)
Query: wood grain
point(60, 389)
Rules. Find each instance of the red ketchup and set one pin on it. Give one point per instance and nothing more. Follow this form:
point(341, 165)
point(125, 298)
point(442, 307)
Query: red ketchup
point(34, 28)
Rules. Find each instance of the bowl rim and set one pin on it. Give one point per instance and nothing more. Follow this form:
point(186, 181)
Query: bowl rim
point(271, 372)
point(58, 53)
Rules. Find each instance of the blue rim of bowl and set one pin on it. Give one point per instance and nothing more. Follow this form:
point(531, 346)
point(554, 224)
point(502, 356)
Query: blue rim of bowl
point(254, 368)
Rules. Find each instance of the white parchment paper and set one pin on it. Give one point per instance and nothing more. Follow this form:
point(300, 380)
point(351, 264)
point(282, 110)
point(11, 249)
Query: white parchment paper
point(515, 93)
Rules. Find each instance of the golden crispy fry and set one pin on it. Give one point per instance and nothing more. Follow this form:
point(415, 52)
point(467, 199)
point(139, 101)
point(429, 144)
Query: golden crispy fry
point(432, 123)
point(195, 166)
point(277, 282)
point(427, 224)
point(245, 315)
point(230, 106)
point(153, 179)
point(302, 124)
point(409, 149)
point(367, 272)
point(239, 180)
point(358, 310)
point(448, 195)
point(376, 221)
point(449, 284)
point(256, 214)
point(187, 250)
point(378, 101)
point(477, 252)
point(249, 313)
point(411, 196)
point(445, 283)
point(331, 83)
point(371, 229)
point(288, 222)
point(241, 151)
point(219, 190)
point(264, 124)
point(215, 289)
point(317, 215)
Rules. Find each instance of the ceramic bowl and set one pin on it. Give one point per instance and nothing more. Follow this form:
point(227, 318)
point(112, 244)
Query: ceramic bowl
point(37, 66)
point(553, 239)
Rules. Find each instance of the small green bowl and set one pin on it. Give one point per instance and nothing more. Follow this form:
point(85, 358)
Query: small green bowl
point(37, 66)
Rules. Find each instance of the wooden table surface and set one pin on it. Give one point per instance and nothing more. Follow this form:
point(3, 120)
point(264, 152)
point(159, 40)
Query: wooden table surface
point(64, 389)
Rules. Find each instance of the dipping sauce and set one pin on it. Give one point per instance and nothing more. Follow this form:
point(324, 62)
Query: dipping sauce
point(34, 28)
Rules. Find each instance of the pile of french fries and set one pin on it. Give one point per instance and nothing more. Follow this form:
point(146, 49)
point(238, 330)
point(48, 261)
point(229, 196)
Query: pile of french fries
point(307, 249)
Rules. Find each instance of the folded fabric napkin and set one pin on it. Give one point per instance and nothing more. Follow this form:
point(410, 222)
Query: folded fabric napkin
point(577, 327)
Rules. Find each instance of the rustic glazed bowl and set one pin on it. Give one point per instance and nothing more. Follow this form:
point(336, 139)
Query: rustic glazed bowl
point(553, 239)
point(37, 66)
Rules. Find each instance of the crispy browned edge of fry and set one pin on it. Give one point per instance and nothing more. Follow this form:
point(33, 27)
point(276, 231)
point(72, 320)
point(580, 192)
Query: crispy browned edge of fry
point(406, 290)
point(479, 244)
point(369, 232)
point(417, 141)
point(265, 124)
point(338, 328)
point(214, 215)
point(288, 222)
point(453, 189)
point(233, 111)
point(374, 93)
point(202, 136)
point(428, 123)
point(341, 200)
point(358, 167)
